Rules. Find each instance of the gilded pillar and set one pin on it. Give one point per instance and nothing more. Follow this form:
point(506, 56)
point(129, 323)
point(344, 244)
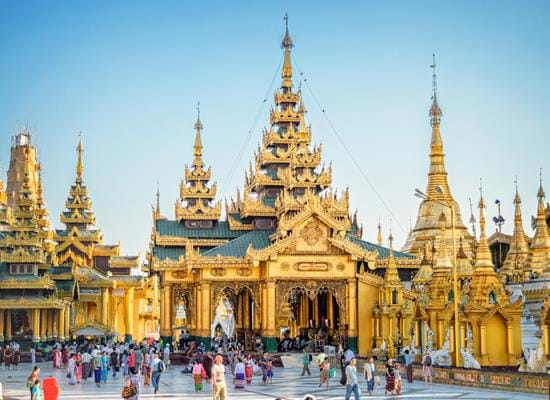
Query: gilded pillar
point(67, 322)
point(330, 310)
point(43, 324)
point(61, 324)
point(484, 355)
point(129, 310)
point(2, 314)
point(352, 312)
point(264, 309)
point(206, 311)
point(462, 335)
point(105, 306)
point(271, 332)
point(239, 317)
point(50, 314)
point(35, 324)
point(7, 329)
point(198, 311)
point(246, 310)
point(510, 342)
point(55, 315)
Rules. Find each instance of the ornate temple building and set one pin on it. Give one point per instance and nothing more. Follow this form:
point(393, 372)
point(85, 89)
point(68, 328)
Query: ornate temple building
point(63, 284)
point(288, 257)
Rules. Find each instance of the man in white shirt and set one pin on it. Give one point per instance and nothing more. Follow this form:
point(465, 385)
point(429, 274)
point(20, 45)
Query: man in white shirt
point(219, 389)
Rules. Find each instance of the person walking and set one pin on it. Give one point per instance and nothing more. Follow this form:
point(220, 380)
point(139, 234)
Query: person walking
point(198, 374)
point(86, 365)
point(104, 366)
point(409, 358)
point(36, 391)
point(157, 368)
point(306, 360)
point(146, 370)
point(97, 369)
point(325, 373)
point(219, 390)
point(239, 374)
point(56, 358)
point(71, 370)
point(33, 355)
point(390, 378)
point(132, 380)
point(427, 368)
point(115, 361)
point(397, 375)
point(32, 379)
point(352, 386)
point(8, 354)
point(369, 373)
point(249, 369)
point(16, 358)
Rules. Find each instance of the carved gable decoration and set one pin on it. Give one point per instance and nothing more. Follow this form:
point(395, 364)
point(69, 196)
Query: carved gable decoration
point(311, 236)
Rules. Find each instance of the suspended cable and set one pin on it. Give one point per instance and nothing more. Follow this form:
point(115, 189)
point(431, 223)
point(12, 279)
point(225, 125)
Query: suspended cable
point(353, 159)
point(246, 141)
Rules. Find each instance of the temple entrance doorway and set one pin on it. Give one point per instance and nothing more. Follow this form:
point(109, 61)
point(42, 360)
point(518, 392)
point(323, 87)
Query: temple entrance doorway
point(311, 318)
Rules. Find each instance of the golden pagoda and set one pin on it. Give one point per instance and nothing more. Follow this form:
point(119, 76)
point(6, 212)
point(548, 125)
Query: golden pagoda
point(23, 157)
point(5, 211)
point(438, 194)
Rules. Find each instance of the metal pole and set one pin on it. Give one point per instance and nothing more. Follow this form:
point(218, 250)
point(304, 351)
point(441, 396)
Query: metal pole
point(455, 289)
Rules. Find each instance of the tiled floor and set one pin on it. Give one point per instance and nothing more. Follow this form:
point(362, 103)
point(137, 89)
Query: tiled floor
point(287, 384)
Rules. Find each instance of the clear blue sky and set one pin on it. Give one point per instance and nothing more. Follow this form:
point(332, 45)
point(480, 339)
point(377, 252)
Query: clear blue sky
point(128, 75)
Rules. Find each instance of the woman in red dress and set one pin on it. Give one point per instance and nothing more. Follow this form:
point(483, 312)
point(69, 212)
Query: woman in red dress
point(78, 372)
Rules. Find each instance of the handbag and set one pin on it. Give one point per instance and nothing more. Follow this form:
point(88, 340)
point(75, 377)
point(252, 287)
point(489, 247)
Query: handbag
point(129, 391)
point(332, 372)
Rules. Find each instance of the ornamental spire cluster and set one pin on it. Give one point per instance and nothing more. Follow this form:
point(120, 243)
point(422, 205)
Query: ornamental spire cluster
point(196, 204)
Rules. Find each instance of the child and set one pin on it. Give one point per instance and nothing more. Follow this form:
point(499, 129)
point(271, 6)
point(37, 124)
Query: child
point(397, 375)
point(269, 375)
point(36, 391)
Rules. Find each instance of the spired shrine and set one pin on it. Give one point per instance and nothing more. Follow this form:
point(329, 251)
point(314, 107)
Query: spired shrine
point(286, 258)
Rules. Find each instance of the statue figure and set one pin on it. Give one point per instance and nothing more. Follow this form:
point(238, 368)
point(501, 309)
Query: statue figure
point(442, 357)
point(468, 360)
point(430, 335)
point(469, 340)
point(383, 345)
point(536, 360)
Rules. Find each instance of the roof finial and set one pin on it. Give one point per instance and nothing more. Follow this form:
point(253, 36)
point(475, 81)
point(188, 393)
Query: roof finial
point(80, 150)
point(198, 142)
point(435, 111)
point(287, 66)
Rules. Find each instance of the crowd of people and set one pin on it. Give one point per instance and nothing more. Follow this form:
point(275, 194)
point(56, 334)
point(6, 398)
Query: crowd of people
point(142, 364)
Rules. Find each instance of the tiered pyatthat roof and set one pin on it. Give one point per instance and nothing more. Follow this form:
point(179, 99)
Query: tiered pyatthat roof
point(77, 240)
point(438, 193)
point(22, 244)
point(46, 234)
point(537, 263)
point(285, 166)
point(513, 265)
point(196, 203)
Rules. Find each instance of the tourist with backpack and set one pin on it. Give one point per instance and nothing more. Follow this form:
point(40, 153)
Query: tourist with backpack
point(158, 367)
point(427, 369)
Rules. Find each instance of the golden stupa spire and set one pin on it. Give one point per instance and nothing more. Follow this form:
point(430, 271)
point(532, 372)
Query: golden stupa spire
point(79, 166)
point(443, 262)
point(287, 65)
point(197, 148)
point(518, 244)
point(538, 259)
point(379, 237)
point(425, 271)
point(437, 175)
point(156, 210)
point(484, 262)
